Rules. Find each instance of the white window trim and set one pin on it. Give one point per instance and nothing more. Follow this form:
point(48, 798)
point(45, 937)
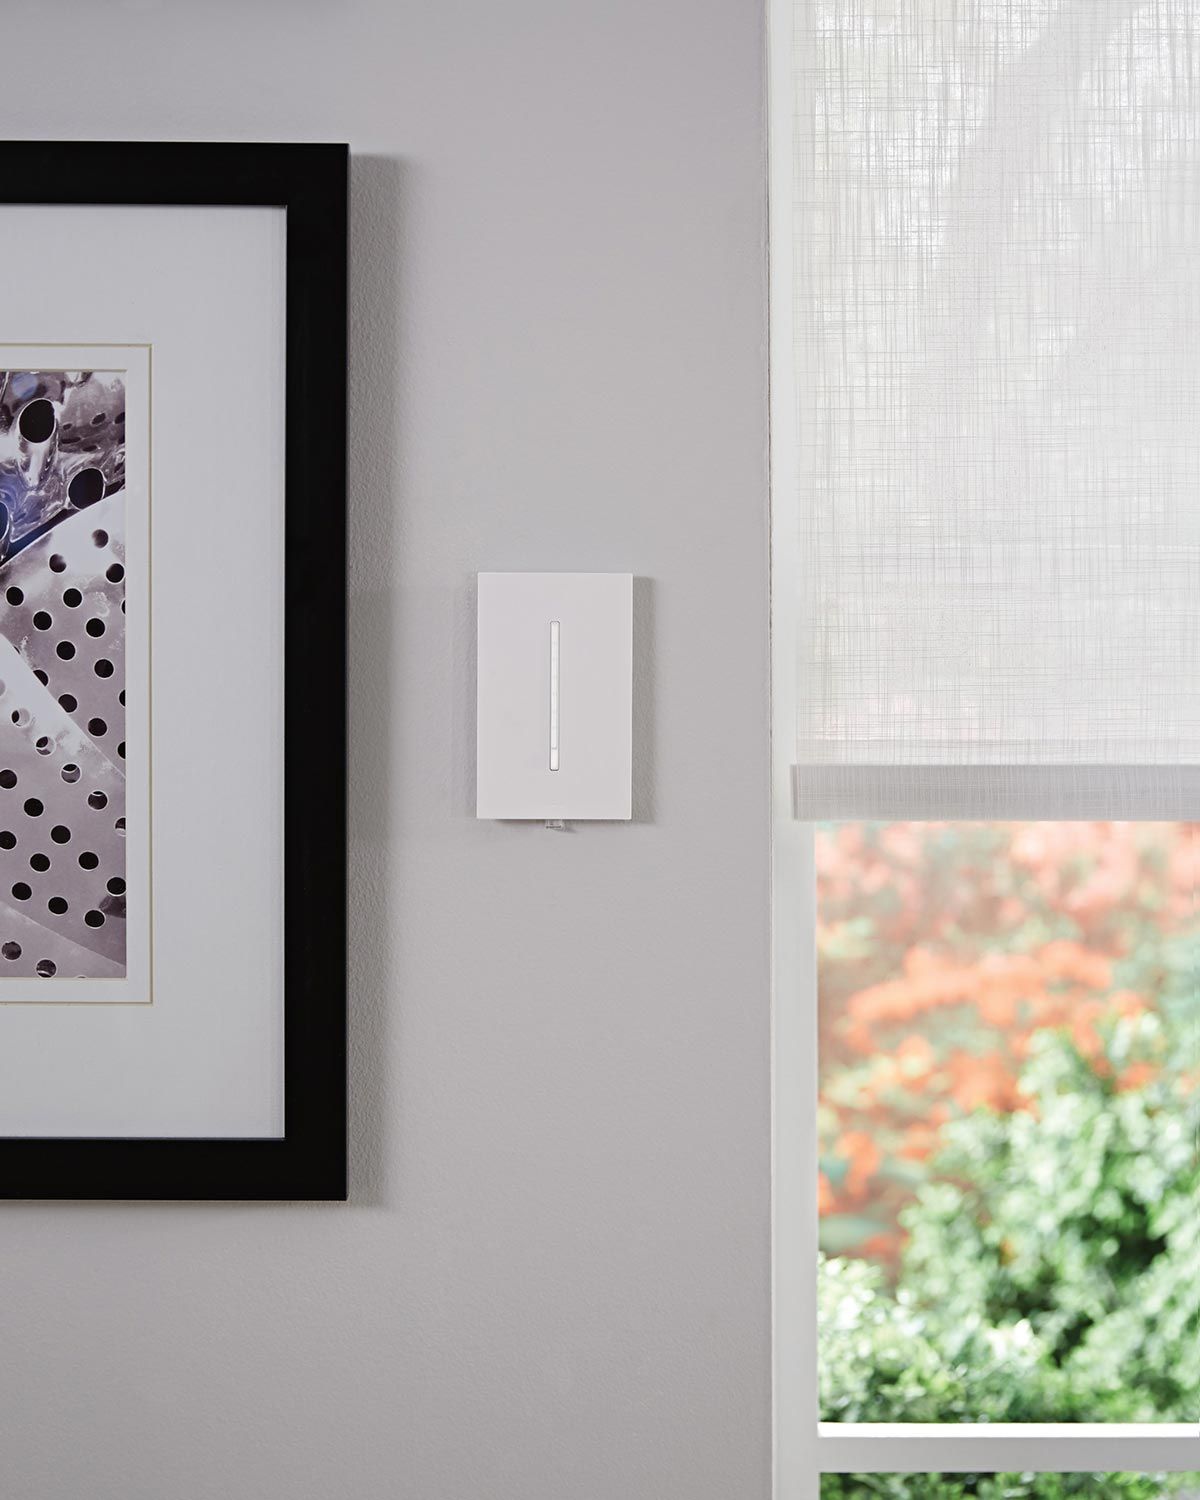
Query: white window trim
point(804, 1447)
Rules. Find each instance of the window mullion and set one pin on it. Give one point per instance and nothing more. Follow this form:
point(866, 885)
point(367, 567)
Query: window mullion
point(853, 1448)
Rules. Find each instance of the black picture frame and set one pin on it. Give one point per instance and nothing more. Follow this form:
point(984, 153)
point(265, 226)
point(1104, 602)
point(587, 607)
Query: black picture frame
point(310, 182)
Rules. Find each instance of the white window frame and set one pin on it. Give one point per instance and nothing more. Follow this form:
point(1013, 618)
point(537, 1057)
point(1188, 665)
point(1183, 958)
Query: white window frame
point(804, 1447)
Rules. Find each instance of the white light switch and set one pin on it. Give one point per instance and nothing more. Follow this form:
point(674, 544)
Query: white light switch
point(555, 698)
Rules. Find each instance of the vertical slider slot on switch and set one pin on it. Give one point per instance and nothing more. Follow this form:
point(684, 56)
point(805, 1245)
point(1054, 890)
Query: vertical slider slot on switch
point(554, 695)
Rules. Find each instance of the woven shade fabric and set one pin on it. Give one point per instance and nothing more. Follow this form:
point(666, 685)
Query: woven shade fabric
point(997, 361)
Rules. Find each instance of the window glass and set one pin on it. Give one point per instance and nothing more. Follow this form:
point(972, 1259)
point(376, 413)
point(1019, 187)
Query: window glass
point(1007, 1124)
point(1010, 1486)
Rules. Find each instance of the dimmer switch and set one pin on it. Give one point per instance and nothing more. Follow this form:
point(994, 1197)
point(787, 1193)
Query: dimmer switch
point(555, 696)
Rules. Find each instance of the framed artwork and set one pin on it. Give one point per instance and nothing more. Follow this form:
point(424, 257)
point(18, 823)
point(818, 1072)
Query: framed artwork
point(172, 671)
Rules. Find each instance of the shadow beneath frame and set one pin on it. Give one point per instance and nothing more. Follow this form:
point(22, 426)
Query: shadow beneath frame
point(374, 436)
point(643, 700)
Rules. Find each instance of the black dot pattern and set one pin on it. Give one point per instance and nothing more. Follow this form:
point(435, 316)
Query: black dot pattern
point(62, 693)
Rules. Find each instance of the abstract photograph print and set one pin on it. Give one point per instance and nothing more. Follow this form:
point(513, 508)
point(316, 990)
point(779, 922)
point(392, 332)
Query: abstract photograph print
point(62, 674)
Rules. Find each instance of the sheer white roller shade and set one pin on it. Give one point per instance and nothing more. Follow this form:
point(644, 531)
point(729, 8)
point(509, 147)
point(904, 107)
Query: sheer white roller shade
point(997, 341)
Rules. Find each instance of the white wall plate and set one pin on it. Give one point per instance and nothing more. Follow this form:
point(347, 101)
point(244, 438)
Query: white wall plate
point(555, 696)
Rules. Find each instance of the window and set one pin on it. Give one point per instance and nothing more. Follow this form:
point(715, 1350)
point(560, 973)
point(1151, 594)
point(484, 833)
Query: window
point(1012, 1486)
point(1007, 1119)
point(986, 651)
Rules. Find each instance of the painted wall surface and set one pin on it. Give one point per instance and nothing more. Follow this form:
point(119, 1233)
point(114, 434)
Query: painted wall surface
point(552, 1279)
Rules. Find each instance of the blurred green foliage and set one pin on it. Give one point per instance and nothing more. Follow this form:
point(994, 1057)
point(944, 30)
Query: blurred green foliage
point(945, 951)
point(1006, 1486)
point(1051, 1273)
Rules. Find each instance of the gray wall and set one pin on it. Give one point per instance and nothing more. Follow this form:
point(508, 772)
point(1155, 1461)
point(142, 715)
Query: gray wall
point(552, 1279)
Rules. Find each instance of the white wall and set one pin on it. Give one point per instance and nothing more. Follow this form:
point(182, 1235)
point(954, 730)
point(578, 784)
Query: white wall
point(552, 1279)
